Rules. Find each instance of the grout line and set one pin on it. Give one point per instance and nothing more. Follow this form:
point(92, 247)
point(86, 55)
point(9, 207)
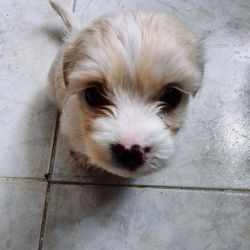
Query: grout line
point(53, 151)
point(180, 188)
point(10, 178)
point(49, 175)
point(44, 218)
point(80, 183)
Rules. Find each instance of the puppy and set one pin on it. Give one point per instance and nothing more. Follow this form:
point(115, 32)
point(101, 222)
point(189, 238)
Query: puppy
point(122, 85)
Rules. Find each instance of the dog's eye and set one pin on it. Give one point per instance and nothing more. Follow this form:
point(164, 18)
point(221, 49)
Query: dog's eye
point(95, 98)
point(171, 97)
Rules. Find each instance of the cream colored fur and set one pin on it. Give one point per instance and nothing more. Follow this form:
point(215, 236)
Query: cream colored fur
point(133, 55)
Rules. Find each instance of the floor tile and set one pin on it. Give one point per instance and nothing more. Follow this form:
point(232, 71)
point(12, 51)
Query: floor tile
point(21, 209)
point(28, 44)
point(106, 218)
point(213, 145)
point(201, 17)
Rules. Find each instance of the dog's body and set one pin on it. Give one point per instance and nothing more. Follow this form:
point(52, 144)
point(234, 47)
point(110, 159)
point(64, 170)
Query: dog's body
point(122, 85)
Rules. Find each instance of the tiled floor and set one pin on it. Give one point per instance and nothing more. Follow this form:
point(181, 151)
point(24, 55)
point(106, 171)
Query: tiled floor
point(201, 201)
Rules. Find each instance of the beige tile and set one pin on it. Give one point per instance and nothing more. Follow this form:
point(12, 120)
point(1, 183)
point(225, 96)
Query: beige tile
point(110, 218)
point(21, 209)
point(29, 34)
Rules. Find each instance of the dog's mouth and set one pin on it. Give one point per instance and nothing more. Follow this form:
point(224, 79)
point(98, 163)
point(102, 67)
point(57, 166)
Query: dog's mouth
point(133, 167)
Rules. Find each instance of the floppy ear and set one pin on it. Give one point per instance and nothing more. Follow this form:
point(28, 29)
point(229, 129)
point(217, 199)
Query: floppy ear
point(57, 90)
point(58, 75)
point(201, 63)
point(67, 15)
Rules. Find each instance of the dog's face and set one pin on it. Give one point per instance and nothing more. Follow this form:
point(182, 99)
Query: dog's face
point(129, 77)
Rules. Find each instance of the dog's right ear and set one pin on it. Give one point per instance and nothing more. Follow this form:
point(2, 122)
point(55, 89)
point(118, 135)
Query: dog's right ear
point(67, 15)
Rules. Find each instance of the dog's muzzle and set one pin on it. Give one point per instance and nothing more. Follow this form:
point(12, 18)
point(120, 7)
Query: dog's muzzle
point(130, 159)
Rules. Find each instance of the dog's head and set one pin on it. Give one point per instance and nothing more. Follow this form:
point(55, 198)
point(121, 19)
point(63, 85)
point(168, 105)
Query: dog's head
point(129, 77)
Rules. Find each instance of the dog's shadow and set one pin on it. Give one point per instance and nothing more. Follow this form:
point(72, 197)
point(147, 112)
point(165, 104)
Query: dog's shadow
point(54, 33)
point(92, 202)
point(41, 113)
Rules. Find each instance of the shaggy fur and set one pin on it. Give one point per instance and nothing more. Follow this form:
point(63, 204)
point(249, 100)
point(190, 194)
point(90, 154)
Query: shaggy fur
point(132, 57)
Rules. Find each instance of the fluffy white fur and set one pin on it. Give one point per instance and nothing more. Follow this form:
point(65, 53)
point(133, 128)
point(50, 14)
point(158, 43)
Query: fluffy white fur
point(134, 122)
point(133, 55)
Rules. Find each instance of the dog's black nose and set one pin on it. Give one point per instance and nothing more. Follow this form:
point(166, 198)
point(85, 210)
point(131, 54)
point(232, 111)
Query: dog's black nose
point(128, 158)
